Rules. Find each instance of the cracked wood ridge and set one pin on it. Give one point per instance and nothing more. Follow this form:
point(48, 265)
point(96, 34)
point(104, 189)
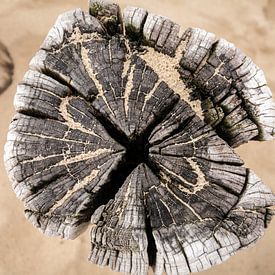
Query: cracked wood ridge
point(128, 123)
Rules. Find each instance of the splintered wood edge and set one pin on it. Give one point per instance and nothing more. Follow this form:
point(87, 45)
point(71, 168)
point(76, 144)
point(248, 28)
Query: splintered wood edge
point(191, 56)
point(201, 61)
point(232, 93)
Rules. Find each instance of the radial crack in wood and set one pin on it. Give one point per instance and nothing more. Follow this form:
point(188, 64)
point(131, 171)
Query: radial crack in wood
point(129, 123)
point(235, 97)
point(119, 236)
point(188, 237)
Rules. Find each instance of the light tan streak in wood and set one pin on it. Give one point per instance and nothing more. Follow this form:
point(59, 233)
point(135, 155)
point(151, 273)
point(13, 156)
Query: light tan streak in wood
point(149, 95)
point(217, 72)
point(129, 85)
point(180, 187)
point(241, 209)
point(38, 158)
point(77, 187)
point(78, 37)
point(168, 209)
point(85, 156)
point(193, 140)
point(88, 67)
point(80, 157)
point(201, 180)
point(166, 68)
point(176, 176)
point(69, 121)
point(182, 202)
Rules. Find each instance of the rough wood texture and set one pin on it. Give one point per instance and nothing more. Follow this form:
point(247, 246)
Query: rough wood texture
point(109, 129)
point(6, 68)
point(235, 97)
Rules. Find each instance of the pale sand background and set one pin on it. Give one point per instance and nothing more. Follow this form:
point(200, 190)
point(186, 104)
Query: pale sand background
point(25, 23)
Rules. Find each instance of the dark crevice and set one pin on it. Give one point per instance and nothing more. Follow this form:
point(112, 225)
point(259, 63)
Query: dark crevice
point(200, 93)
point(151, 248)
point(137, 150)
point(244, 186)
point(222, 162)
point(143, 23)
point(240, 195)
point(111, 129)
point(154, 168)
point(176, 131)
point(226, 189)
point(168, 109)
point(182, 126)
point(136, 37)
point(136, 153)
point(133, 157)
point(184, 253)
point(44, 183)
point(39, 115)
point(60, 80)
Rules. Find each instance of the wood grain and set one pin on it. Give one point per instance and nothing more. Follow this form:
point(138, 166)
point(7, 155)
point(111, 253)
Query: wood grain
point(103, 133)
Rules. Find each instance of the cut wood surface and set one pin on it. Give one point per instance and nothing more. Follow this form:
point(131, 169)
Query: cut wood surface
point(126, 121)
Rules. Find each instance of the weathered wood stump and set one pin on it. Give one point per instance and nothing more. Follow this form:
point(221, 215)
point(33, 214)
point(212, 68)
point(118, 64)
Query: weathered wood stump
point(6, 68)
point(124, 122)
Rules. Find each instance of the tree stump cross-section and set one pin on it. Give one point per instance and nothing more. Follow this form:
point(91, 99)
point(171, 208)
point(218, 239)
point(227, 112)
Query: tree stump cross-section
point(125, 122)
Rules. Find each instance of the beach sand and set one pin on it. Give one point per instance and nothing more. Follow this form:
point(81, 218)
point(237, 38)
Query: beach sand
point(24, 25)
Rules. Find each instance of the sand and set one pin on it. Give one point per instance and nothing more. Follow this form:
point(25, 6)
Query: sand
point(24, 25)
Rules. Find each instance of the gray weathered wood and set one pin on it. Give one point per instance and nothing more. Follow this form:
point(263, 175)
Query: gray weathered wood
point(134, 19)
point(109, 15)
point(222, 73)
point(6, 68)
point(129, 125)
point(155, 30)
point(119, 237)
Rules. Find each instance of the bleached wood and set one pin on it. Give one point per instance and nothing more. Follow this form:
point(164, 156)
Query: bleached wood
point(109, 129)
point(222, 73)
point(134, 19)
